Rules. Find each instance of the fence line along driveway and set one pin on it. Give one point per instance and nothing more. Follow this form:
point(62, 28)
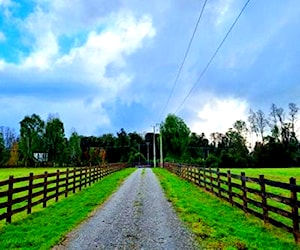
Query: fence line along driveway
point(21, 194)
point(272, 201)
point(137, 216)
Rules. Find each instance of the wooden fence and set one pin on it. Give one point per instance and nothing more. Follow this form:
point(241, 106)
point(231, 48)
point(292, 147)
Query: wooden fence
point(23, 193)
point(272, 201)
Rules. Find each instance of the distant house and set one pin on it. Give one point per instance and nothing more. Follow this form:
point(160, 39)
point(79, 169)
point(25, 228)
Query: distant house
point(40, 157)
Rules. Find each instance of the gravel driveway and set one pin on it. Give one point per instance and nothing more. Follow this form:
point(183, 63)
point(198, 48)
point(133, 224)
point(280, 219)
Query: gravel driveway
point(137, 216)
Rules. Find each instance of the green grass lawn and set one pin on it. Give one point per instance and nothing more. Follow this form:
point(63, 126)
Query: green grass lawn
point(216, 223)
point(44, 229)
point(20, 172)
point(276, 174)
point(24, 172)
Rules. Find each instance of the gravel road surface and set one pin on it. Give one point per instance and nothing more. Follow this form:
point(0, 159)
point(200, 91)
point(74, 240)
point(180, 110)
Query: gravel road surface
point(137, 216)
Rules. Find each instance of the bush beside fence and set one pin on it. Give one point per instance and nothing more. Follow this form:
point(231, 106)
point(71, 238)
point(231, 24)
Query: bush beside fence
point(23, 193)
point(272, 201)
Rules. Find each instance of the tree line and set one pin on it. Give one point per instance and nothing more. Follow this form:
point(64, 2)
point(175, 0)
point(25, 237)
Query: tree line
point(275, 141)
point(44, 143)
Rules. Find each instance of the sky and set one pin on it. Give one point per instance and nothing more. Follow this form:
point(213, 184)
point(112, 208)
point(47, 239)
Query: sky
point(106, 65)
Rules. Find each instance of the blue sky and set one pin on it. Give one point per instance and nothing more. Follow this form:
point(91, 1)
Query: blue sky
point(107, 65)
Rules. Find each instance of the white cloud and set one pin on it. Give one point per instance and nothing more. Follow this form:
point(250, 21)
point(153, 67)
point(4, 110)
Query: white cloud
point(218, 115)
point(221, 12)
point(5, 3)
point(85, 65)
point(2, 37)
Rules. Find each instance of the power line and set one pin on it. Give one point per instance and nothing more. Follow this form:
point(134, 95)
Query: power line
point(184, 58)
point(213, 56)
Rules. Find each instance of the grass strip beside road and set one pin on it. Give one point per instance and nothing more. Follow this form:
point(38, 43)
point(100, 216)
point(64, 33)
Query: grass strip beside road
point(218, 225)
point(44, 229)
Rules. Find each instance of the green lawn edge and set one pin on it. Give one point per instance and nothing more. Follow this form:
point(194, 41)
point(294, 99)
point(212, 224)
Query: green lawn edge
point(46, 228)
point(217, 224)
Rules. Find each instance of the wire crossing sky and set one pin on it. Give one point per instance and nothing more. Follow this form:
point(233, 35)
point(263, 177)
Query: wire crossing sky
point(212, 58)
point(105, 65)
point(184, 58)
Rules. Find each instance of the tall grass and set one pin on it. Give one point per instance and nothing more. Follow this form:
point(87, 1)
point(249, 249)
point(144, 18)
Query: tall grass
point(44, 229)
point(218, 225)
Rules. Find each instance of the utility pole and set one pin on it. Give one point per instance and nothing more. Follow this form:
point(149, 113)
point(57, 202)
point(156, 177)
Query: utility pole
point(154, 149)
point(161, 161)
point(147, 152)
point(161, 150)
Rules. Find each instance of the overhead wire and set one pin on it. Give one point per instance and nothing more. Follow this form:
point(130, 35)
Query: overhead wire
point(212, 58)
point(184, 59)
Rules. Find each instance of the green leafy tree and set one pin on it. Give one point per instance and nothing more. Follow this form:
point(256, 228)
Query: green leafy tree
point(74, 149)
point(122, 143)
point(54, 139)
point(175, 134)
point(31, 137)
point(2, 148)
point(108, 143)
point(197, 147)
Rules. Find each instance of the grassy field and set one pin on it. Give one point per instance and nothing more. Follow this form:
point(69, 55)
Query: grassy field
point(44, 229)
point(276, 174)
point(217, 224)
point(20, 172)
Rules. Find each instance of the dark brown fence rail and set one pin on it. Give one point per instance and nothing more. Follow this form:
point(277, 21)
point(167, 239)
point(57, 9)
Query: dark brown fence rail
point(272, 201)
point(23, 193)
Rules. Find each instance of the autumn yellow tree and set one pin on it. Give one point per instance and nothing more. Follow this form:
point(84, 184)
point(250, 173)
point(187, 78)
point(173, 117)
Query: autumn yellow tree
point(14, 155)
point(103, 155)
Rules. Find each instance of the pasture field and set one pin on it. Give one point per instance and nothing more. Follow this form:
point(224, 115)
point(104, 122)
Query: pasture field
point(276, 174)
point(216, 223)
point(21, 172)
point(46, 228)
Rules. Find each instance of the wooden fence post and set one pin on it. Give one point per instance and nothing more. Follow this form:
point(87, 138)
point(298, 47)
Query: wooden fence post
point(243, 179)
point(97, 173)
point(229, 187)
point(57, 185)
point(90, 175)
point(94, 174)
point(29, 201)
point(85, 176)
point(263, 198)
point(218, 182)
point(204, 178)
point(80, 179)
point(199, 177)
point(67, 183)
point(74, 180)
point(295, 212)
point(9, 198)
point(45, 189)
point(211, 181)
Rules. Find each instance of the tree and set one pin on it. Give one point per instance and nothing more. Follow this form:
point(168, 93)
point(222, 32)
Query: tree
point(74, 149)
point(14, 155)
point(54, 138)
point(31, 137)
point(9, 136)
point(293, 115)
point(122, 142)
point(197, 147)
point(241, 128)
point(175, 134)
point(108, 142)
point(2, 147)
point(258, 123)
